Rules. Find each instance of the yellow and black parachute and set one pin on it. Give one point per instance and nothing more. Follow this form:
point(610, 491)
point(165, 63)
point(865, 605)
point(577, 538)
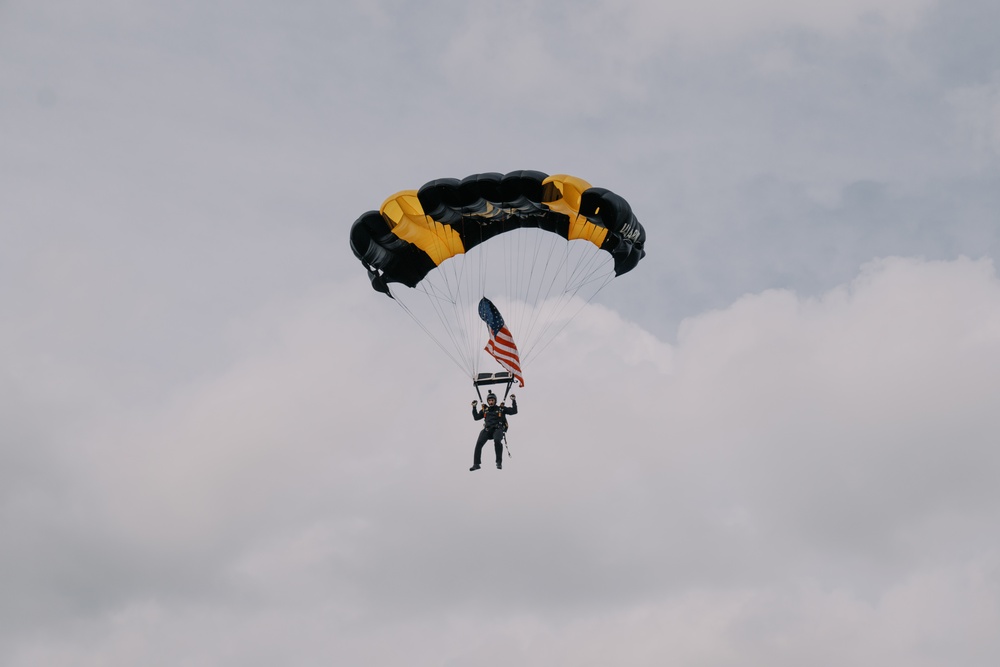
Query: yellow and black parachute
point(538, 246)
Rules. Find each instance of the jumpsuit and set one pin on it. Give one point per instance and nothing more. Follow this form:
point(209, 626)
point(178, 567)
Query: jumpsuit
point(493, 428)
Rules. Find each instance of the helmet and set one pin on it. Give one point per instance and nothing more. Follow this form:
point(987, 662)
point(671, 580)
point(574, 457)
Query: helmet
point(491, 395)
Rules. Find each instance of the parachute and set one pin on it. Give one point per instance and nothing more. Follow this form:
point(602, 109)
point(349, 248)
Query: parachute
point(539, 247)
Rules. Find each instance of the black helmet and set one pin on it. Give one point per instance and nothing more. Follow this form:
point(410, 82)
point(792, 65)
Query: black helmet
point(491, 395)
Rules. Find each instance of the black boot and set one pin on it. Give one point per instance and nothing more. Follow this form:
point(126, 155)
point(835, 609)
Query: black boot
point(475, 466)
point(499, 466)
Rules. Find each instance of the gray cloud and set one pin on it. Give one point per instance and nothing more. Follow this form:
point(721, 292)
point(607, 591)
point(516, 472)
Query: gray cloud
point(765, 445)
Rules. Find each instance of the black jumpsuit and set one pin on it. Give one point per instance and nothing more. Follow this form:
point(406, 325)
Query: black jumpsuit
point(492, 428)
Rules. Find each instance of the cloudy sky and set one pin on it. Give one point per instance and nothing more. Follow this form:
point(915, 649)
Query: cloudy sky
point(773, 443)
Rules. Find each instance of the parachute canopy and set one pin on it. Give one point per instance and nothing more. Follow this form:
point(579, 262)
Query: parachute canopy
point(416, 230)
point(554, 242)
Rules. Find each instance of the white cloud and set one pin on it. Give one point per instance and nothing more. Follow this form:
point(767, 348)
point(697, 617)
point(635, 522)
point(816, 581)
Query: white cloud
point(790, 474)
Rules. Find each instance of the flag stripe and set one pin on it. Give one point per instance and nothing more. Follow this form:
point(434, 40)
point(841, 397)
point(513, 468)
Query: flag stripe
point(506, 359)
point(510, 355)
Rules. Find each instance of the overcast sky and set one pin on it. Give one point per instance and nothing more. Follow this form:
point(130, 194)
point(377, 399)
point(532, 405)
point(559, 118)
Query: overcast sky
point(773, 443)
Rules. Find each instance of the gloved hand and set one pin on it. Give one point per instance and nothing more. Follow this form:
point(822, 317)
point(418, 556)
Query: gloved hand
point(474, 403)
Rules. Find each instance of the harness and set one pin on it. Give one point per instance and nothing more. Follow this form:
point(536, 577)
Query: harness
point(501, 419)
point(501, 423)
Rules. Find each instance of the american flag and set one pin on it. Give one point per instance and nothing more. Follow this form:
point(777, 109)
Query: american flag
point(501, 346)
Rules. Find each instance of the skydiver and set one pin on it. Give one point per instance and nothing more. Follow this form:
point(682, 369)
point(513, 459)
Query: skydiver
point(494, 426)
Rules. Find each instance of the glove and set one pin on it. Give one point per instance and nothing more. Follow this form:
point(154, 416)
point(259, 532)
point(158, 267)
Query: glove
point(513, 397)
point(474, 403)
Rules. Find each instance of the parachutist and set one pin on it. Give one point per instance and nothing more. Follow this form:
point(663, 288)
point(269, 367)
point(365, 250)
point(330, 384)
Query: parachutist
point(494, 426)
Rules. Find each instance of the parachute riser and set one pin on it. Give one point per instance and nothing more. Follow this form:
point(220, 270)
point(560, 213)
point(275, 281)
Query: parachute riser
point(486, 379)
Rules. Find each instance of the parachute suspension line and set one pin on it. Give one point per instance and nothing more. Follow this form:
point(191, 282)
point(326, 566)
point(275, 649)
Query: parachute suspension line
point(546, 283)
point(515, 247)
point(530, 304)
point(519, 279)
point(512, 280)
point(567, 298)
point(450, 275)
point(543, 249)
point(531, 353)
point(470, 314)
point(486, 251)
point(572, 290)
point(453, 331)
point(467, 312)
point(454, 269)
point(517, 270)
point(430, 335)
point(548, 275)
point(505, 261)
point(583, 267)
point(473, 289)
point(459, 317)
point(462, 315)
point(546, 286)
point(584, 270)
